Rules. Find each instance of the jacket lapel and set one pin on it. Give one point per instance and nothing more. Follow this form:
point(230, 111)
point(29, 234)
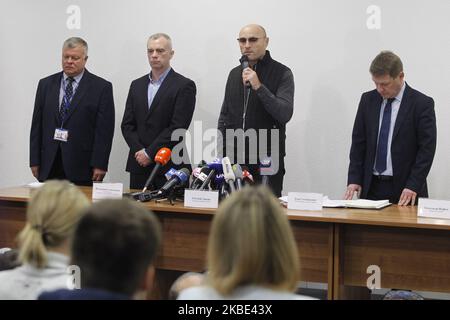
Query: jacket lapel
point(54, 96)
point(403, 111)
point(375, 110)
point(81, 90)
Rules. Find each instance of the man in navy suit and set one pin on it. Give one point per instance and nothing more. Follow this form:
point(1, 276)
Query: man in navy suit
point(158, 103)
point(73, 121)
point(394, 138)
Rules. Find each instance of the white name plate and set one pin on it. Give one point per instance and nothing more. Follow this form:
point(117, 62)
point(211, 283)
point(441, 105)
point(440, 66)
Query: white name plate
point(430, 208)
point(102, 191)
point(305, 201)
point(201, 199)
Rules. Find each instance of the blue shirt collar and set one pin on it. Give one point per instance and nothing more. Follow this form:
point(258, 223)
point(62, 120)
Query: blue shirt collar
point(77, 77)
point(161, 79)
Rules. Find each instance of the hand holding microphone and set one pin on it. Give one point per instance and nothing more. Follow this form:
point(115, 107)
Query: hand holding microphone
point(249, 76)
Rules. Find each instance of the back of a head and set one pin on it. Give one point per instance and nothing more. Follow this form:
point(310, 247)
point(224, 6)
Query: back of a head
point(52, 214)
point(114, 244)
point(386, 63)
point(251, 242)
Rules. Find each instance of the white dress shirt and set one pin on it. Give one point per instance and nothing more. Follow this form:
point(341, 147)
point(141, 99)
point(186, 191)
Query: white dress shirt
point(394, 112)
point(27, 282)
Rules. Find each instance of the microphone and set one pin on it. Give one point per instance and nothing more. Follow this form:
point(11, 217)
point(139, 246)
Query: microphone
point(244, 63)
point(265, 170)
point(196, 172)
point(146, 196)
point(237, 170)
point(201, 177)
point(161, 159)
point(169, 174)
point(216, 167)
point(247, 177)
point(201, 164)
point(228, 173)
point(218, 182)
point(179, 178)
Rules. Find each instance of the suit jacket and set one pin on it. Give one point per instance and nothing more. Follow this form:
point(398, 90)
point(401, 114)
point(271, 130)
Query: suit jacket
point(172, 108)
point(90, 123)
point(413, 142)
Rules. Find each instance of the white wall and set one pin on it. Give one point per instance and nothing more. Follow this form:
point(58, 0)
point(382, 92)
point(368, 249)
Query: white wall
point(326, 43)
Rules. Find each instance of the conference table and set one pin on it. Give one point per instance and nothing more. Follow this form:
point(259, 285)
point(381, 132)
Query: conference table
point(337, 246)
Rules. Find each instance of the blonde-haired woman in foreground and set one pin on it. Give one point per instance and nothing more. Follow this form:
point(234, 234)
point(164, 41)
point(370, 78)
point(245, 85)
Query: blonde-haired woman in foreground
point(251, 251)
point(44, 243)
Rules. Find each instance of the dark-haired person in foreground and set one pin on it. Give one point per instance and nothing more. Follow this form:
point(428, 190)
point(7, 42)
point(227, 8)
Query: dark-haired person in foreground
point(114, 246)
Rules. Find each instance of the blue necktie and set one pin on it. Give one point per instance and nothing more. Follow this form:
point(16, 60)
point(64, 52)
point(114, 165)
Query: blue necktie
point(382, 148)
point(68, 93)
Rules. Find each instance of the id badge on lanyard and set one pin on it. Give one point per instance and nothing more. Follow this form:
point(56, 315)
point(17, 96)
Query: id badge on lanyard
point(62, 134)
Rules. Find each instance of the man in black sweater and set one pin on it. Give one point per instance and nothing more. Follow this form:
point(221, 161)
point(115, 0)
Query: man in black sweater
point(259, 101)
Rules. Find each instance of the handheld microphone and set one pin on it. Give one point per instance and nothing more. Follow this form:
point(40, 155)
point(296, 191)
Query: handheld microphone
point(237, 170)
point(245, 64)
point(265, 170)
point(161, 159)
point(228, 173)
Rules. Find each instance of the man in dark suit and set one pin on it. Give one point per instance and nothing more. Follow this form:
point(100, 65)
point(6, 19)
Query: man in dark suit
point(73, 121)
point(394, 137)
point(158, 104)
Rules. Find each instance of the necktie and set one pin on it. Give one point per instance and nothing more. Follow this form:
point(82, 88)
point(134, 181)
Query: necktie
point(382, 148)
point(68, 93)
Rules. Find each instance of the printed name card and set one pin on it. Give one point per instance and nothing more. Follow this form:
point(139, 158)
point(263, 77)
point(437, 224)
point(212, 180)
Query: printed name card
point(201, 199)
point(430, 208)
point(305, 201)
point(102, 191)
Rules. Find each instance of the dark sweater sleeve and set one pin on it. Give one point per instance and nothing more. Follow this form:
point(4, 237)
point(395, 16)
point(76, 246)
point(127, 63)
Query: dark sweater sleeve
point(280, 105)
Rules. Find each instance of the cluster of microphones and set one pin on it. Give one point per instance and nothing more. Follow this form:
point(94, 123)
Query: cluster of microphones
point(219, 174)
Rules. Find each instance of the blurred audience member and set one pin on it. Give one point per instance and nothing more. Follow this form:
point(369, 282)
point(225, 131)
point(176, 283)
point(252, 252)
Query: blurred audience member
point(44, 243)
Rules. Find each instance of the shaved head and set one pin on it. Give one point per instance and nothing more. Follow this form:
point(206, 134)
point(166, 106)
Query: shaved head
point(255, 27)
point(253, 42)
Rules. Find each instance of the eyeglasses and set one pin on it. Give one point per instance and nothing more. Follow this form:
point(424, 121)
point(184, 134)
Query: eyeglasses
point(251, 40)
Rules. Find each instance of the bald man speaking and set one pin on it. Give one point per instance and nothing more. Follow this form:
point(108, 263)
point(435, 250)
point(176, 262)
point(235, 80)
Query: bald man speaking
point(259, 101)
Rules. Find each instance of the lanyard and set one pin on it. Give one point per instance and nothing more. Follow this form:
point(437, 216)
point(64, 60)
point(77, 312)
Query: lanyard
point(65, 105)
